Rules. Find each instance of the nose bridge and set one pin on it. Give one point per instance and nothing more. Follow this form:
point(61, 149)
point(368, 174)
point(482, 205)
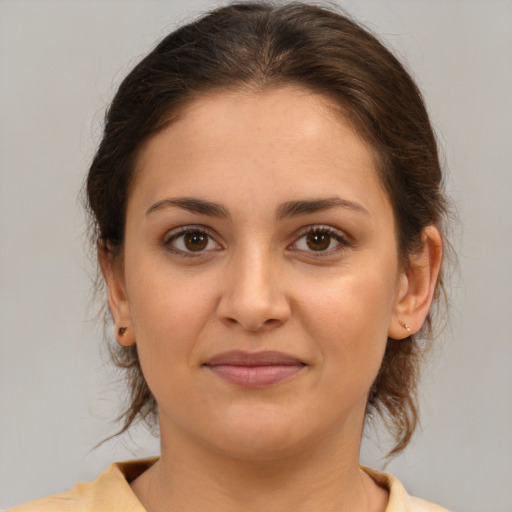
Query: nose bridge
point(253, 295)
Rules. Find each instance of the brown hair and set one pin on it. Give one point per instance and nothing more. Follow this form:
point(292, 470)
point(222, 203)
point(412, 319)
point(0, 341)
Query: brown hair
point(257, 46)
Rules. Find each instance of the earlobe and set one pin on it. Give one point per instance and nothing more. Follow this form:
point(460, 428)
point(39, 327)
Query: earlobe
point(124, 336)
point(112, 270)
point(417, 286)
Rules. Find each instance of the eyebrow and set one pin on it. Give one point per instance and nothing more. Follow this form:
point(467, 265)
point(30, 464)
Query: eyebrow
point(285, 210)
point(191, 204)
point(305, 207)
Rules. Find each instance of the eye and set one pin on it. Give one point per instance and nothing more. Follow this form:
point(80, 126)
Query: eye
point(321, 239)
point(190, 241)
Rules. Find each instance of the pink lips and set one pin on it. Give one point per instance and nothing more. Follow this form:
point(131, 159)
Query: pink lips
point(254, 370)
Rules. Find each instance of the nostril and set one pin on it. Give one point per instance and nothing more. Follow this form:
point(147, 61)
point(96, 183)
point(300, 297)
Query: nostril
point(252, 303)
point(253, 325)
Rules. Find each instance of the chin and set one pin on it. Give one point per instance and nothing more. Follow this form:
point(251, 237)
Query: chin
point(261, 435)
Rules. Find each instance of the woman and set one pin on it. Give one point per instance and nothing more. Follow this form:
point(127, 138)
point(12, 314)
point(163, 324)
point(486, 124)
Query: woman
point(269, 213)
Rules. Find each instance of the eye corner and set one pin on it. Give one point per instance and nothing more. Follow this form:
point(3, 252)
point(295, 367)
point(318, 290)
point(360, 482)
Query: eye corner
point(330, 241)
point(176, 242)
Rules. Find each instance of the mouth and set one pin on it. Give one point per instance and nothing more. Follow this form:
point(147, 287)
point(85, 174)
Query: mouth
point(254, 370)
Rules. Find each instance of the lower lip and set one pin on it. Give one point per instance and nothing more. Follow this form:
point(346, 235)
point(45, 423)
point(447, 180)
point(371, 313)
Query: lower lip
point(256, 376)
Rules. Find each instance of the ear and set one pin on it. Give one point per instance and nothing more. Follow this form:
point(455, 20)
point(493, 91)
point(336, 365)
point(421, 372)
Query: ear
point(113, 272)
point(416, 286)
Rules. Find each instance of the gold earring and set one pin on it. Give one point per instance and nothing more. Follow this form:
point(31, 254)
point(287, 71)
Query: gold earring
point(405, 326)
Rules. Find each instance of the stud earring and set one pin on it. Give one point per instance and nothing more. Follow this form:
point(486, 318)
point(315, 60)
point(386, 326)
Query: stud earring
point(405, 326)
point(122, 331)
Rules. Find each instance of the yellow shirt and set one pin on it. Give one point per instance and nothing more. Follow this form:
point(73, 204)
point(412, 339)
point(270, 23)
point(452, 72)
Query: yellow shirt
point(111, 492)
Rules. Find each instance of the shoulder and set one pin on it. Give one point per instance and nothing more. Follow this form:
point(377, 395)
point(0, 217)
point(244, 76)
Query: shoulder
point(110, 492)
point(419, 505)
point(399, 500)
point(62, 502)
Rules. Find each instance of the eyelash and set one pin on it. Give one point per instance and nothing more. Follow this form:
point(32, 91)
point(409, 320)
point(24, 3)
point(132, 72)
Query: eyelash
point(181, 232)
point(342, 240)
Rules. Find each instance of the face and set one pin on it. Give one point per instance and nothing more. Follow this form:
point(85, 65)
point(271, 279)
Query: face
point(260, 276)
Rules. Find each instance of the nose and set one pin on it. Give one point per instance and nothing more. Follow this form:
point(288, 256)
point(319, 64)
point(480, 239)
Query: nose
point(253, 295)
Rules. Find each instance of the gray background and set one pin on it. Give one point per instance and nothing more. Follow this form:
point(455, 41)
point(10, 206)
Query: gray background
point(60, 62)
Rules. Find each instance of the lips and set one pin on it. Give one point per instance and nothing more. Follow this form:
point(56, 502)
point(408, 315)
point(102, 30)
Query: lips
point(254, 370)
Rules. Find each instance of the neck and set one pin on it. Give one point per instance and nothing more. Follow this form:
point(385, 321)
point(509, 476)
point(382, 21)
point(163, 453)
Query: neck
point(192, 477)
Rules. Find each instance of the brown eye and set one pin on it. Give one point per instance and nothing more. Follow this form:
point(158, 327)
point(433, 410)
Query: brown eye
point(321, 241)
point(318, 241)
point(190, 241)
point(195, 241)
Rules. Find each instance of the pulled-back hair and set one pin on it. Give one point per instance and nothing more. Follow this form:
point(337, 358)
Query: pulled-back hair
point(258, 46)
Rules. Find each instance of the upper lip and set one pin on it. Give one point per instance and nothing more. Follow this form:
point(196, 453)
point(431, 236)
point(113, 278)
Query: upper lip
point(264, 358)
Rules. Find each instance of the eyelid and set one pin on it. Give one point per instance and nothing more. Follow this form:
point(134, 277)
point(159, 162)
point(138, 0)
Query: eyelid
point(344, 241)
point(175, 233)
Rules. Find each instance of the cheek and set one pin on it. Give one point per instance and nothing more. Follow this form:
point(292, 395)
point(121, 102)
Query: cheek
point(163, 297)
point(348, 319)
point(169, 311)
point(169, 315)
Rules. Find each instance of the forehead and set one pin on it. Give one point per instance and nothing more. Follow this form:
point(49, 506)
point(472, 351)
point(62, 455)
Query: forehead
point(241, 139)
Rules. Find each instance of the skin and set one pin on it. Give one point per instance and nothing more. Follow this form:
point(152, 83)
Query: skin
point(258, 285)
